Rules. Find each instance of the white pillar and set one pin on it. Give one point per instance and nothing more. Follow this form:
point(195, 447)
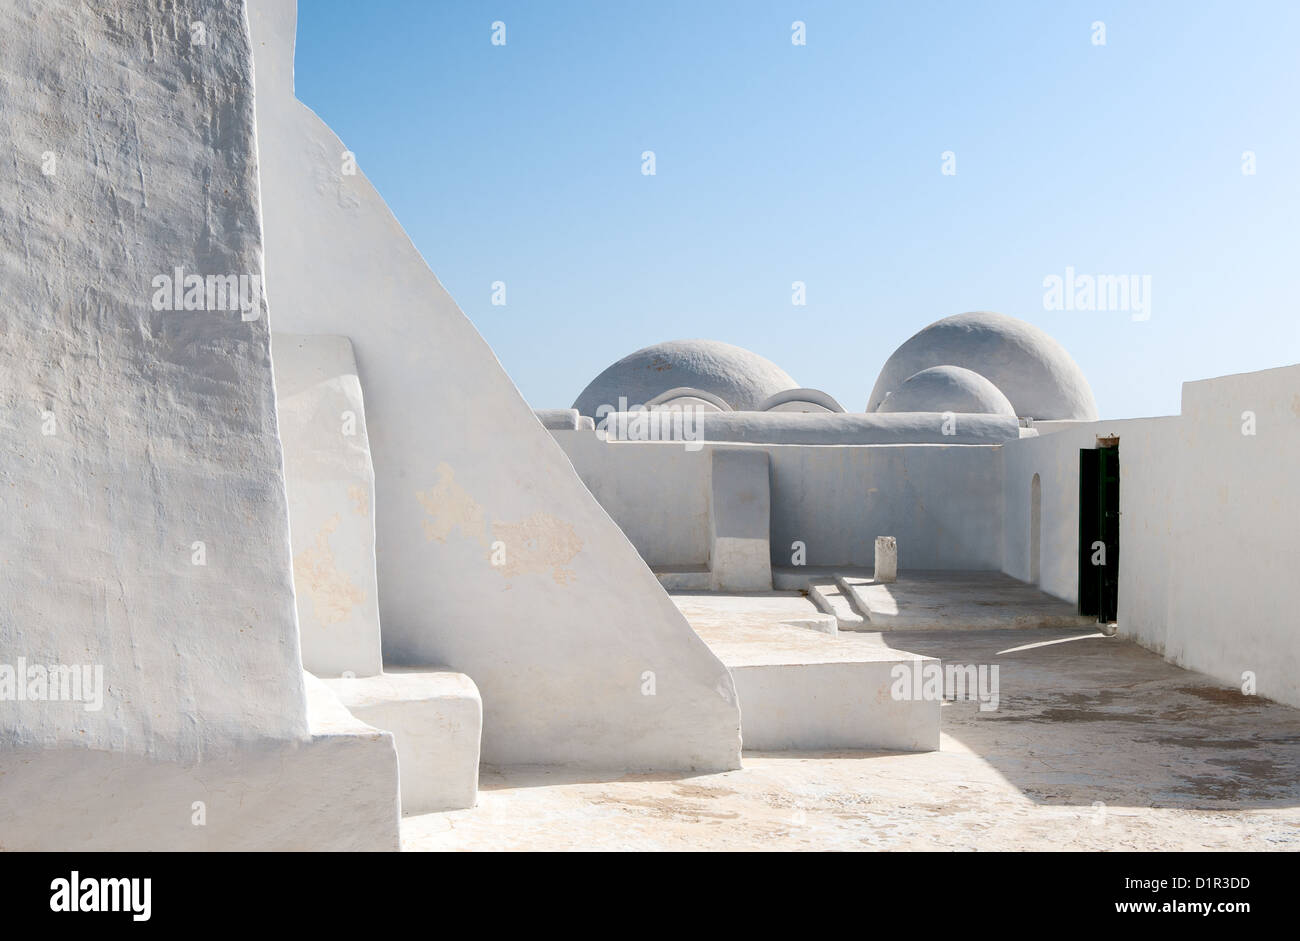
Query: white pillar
point(886, 559)
point(740, 520)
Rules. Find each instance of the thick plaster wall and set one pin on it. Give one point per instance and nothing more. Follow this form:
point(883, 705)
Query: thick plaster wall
point(132, 434)
point(163, 426)
point(1234, 594)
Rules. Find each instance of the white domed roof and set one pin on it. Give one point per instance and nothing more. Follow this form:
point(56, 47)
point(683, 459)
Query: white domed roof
point(947, 389)
point(1031, 369)
point(740, 378)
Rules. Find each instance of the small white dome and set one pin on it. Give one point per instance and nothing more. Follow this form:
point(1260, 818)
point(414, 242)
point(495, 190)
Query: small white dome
point(947, 389)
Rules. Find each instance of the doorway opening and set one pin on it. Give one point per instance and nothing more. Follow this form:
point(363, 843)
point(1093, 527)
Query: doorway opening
point(1099, 530)
point(1035, 528)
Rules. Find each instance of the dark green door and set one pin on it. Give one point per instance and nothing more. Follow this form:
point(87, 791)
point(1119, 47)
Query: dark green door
point(1099, 533)
point(1108, 508)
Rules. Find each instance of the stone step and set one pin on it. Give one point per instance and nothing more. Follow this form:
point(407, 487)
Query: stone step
point(852, 587)
point(684, 577)
point(829, 596)
point(801, 690)
point(937, 600)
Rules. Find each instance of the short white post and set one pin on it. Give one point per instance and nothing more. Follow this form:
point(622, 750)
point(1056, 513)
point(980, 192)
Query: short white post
point(886, 559)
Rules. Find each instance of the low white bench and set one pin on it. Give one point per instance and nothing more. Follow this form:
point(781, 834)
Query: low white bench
point(436, 717)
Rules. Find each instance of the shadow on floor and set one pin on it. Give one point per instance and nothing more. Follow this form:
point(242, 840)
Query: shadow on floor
point(1084, 718)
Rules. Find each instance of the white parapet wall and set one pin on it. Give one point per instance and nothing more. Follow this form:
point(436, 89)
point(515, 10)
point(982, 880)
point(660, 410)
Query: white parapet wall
point(145, 550)
point(943, 503)
point(1208, 504)
point(493, 558)
point(658, 492)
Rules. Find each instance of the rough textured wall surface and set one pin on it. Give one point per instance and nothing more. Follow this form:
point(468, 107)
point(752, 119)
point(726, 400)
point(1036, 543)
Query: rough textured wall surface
point(133, 433)
point(562, 631)
point(146, 534)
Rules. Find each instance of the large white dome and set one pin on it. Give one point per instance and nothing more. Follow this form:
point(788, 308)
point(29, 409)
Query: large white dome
point(1031, 369)
point(742, 379)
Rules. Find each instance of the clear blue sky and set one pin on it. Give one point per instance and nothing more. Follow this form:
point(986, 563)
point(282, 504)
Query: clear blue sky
point(775, 163)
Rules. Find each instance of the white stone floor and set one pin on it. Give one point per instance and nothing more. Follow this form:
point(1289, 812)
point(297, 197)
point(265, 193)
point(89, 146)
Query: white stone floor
point(1096, 744)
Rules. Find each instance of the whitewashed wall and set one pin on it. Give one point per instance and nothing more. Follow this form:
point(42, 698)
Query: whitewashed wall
point(1144, 497)
point(657, 492)
point(331, 488)
point(1234, 598)
point(560, 636)
point(943, 502)
point(145, 528)
point(1208, 517)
